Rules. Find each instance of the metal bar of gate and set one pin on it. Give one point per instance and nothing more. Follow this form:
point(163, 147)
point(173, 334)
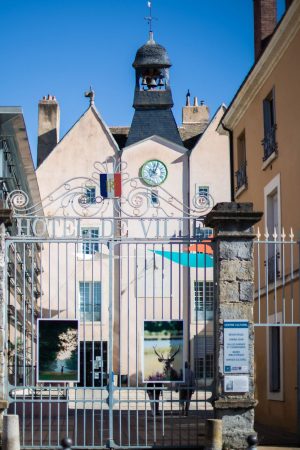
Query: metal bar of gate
point(110, 442)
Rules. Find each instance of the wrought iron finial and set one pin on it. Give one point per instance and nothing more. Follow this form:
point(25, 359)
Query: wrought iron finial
point(91, 95)
point(188, 98)
point(258, 234)
point(150, 19)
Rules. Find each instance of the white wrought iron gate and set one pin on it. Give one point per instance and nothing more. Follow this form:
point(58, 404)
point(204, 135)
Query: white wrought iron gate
point(277, 322)
point(109, 289)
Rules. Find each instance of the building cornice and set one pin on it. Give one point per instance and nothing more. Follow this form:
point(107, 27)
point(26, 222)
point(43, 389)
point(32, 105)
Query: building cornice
point(280, 41)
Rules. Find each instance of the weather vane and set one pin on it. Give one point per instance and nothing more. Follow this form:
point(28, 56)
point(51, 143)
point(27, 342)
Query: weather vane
point(150, 19)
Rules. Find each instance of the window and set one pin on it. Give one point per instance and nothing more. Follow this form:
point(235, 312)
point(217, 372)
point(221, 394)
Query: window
point(203, 233)
point(272, 220)
point(203, 191)
point(154, 198)
point(6, 160)
point(274, 359)
point(203, 357)
point(91, 194)
point(202, 196)
point(203, 300)
point(272, 226)
point(90, 300)
point(88, 247)
point(269, 141)
point(241, 175)
point(204, 367)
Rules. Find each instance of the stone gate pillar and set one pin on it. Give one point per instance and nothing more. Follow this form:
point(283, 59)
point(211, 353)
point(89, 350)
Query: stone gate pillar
point(234, 287)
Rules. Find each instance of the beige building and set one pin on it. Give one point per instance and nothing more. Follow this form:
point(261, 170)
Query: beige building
point(168, 173)
point(263, 122)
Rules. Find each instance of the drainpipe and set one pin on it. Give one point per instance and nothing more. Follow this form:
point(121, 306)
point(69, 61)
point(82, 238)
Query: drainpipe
point(230, 132)
point(189, 269)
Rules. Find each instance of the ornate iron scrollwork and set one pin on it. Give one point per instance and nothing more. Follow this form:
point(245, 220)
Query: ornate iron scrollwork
point(135, 200)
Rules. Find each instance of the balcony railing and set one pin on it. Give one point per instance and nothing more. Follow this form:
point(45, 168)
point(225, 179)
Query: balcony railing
point(269, 142)
point(241, 176)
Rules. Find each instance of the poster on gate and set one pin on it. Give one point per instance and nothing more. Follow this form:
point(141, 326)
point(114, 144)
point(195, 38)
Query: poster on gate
point(58, 350)
point(162, 351)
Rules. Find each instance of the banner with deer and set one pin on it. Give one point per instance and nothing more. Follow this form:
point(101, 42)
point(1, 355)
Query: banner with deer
point(163, 351)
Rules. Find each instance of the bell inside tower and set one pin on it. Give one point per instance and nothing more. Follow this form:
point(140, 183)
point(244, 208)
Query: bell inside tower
point(152, 80)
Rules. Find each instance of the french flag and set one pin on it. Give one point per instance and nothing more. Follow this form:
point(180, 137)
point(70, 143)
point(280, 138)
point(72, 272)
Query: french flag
point(110, 185)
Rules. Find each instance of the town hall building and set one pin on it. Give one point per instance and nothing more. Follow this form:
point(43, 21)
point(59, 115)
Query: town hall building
point(171, 177)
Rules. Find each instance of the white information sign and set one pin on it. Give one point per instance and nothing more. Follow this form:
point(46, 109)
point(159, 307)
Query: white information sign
point(236, 383)
point(236, 346)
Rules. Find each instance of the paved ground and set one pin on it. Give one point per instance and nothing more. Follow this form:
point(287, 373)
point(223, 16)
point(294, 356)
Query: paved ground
point(44, 426)
point(85, 419)
point(274, 437)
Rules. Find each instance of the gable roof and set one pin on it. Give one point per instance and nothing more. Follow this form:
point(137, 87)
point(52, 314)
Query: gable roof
point(221, 110)
point(102, 124)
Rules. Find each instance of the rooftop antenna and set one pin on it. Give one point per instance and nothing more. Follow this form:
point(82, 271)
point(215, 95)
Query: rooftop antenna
point(149, 19)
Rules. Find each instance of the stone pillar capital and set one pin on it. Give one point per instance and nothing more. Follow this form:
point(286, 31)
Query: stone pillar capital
point(233, 219)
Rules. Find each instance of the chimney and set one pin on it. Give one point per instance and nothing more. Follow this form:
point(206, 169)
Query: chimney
point(196, 114)
point(265, 19)
point(48, 127)
point(195, 119)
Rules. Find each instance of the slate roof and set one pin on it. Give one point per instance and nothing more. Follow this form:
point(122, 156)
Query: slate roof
point(153, 55)
point(120, 134)
point(149, 122)
point(189, 135)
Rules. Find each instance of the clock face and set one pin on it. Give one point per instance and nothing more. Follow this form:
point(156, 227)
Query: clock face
point(154, 172)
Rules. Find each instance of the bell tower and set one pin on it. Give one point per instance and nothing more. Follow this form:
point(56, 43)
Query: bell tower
point(152, 95)
point(152, 88)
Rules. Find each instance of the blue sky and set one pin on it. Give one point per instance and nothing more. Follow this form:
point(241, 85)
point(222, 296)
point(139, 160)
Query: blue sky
point(60, 47)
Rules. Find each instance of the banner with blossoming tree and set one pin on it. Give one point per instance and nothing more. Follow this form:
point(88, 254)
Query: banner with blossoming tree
point(58, 350)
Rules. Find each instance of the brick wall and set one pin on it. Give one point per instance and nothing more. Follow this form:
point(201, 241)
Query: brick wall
point(288, 3)
point(264, 23)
